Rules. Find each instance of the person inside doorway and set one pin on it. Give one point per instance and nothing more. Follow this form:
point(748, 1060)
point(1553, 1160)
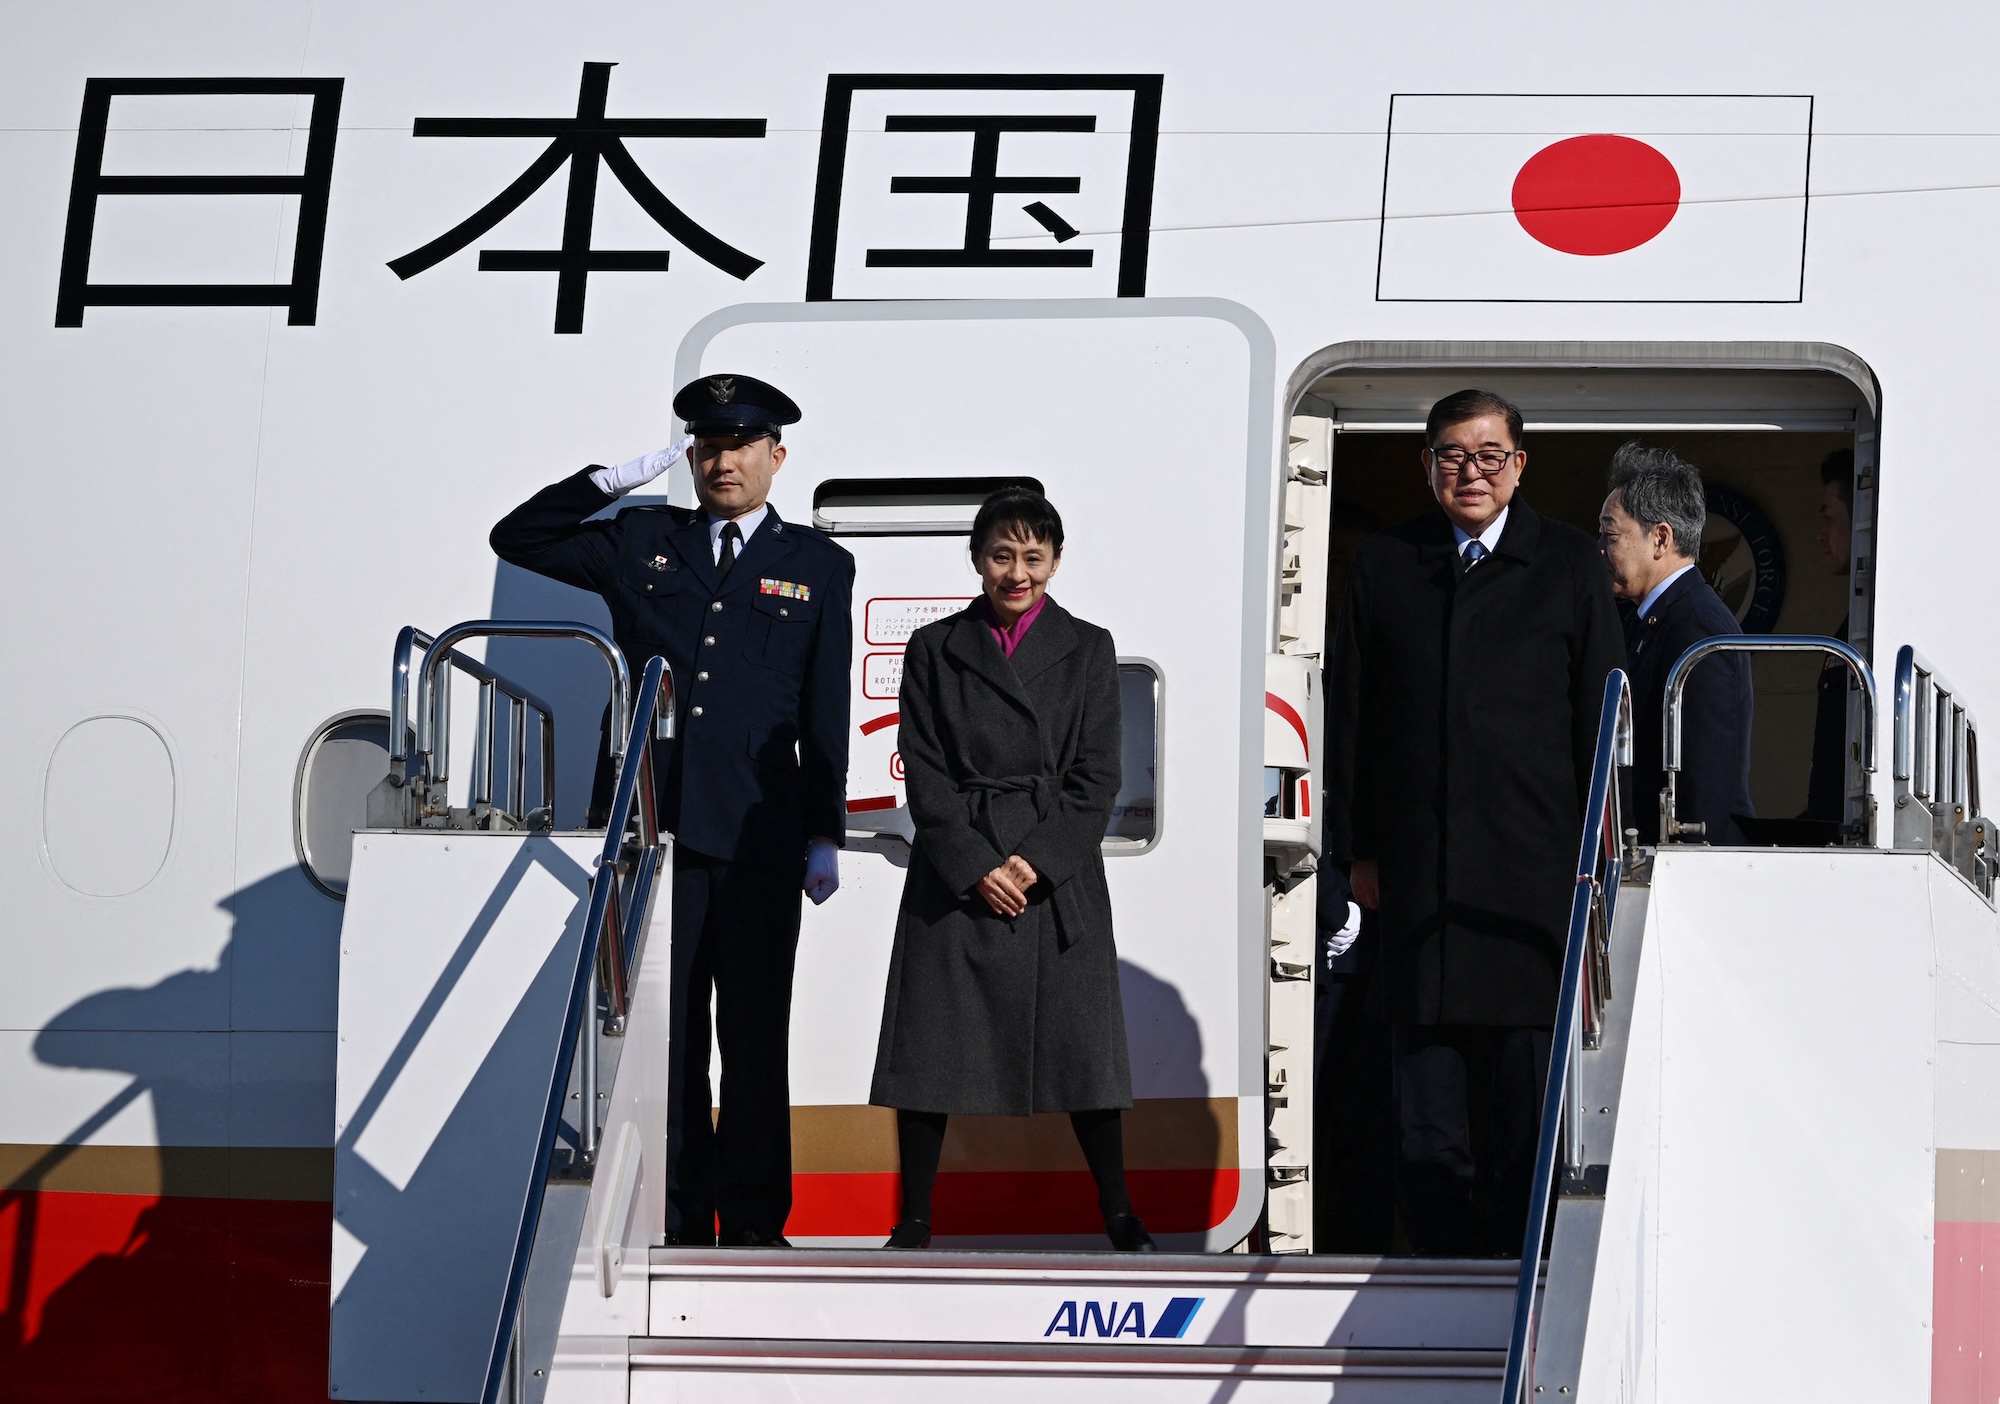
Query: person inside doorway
point(1467, 678)
point(1650, 533)
point(1826, 791)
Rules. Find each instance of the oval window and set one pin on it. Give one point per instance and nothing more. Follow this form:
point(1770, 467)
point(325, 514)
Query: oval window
point(346, 758)
point(108, 806)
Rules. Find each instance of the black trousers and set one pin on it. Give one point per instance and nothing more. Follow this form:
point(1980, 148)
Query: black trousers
point(736, 933)
point(1468, 1109)
point(1354, 1158)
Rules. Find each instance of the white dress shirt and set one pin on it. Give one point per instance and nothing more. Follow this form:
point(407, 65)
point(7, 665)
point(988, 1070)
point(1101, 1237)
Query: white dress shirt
point(1489, 538)
point(1653, 595)
point(747, 524)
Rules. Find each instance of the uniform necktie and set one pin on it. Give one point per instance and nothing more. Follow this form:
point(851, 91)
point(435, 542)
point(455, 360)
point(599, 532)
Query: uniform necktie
point(732, 535)
point(1475, 552)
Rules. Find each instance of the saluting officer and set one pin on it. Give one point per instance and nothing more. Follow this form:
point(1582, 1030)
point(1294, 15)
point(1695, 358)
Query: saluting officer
point(753, 615)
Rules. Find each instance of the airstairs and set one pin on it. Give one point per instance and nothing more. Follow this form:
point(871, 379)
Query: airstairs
point(1712, 1118)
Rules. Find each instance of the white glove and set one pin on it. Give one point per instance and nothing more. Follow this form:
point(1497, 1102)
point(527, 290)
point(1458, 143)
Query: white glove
point(822, 870)
point(1342, 941)
point(637, 472)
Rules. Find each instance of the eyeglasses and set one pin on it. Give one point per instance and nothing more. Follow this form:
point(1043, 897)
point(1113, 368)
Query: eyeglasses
point(1486, 462)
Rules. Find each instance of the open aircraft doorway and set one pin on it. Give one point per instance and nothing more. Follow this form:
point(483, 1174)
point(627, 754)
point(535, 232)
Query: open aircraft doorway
point(1760, 423)
point(1761, 432)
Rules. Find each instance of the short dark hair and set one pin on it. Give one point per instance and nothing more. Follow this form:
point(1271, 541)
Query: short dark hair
point(1470, 404)
point(1031, 516)
point(1838, 468)
point(1657, 485)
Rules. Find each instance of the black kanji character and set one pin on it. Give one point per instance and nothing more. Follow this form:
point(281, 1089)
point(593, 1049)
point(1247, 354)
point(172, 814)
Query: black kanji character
point(582, 141)
point(75, 291)
point(982, 181)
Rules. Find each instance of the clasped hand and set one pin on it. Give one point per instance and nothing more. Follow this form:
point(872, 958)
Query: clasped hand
point(1005, 889)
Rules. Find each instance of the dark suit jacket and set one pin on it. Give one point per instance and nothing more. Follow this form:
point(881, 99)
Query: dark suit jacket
point(1716, 711)
point(1462, 714)
point(1006, 756)
point(1826, 786)
point(760, 662)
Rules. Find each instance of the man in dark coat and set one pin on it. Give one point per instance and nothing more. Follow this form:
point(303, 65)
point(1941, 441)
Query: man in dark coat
point(1826, 788)
point(1466, 682)
point(1650, 533)
point(753, 614)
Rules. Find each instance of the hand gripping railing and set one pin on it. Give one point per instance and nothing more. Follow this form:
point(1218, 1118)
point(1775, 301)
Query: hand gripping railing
point(1579, 1015)
point(1936, 757)
point(492, 686)
point(615, 916)
point(433, 709)
point(1671, 826)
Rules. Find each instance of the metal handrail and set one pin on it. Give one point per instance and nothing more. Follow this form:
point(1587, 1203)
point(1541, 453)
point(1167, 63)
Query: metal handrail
point(433, 705)
point(1937, 781)
point(1580, 1004)
point(520, 702)
point(601, 964)
point(1671, 827)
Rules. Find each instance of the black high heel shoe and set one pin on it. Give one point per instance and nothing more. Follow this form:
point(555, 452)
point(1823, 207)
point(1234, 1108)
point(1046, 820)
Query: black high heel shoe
point(910, 1233)
point(1128, 1234)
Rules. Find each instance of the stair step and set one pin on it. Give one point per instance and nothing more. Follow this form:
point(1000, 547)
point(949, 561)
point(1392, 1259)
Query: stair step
point(721, 1371)
point(1224, 1301)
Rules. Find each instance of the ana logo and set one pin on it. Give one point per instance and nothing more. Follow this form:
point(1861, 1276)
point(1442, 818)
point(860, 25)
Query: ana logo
point(1106, 1320)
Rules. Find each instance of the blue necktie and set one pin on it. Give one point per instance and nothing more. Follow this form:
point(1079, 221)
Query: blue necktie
point(1475, 552)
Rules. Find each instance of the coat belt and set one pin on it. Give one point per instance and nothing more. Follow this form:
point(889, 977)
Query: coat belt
point(988, 808)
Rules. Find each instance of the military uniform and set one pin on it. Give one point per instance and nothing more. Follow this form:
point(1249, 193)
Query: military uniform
point(760, 654)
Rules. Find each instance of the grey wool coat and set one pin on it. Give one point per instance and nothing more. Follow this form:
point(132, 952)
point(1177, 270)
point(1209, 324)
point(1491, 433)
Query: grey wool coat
point(983, 1014)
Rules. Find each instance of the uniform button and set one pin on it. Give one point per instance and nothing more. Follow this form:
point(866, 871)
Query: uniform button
point(696, 712)
point(716, 607)
point(708, 638)
point(701, 677)
point(784, 614)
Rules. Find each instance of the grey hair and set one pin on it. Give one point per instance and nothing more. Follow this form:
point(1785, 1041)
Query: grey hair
point(1657, 485)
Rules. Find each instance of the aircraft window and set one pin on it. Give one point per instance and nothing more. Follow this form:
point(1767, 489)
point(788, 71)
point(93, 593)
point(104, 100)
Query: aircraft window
point(905, 506)
point(1135, 814)
point(1280, 795)
point(346, 758)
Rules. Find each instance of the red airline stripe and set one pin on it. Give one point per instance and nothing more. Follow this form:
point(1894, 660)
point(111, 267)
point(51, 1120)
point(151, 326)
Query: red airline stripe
point(1285, 710)
point(1008, 1202)
point(864, 805)
point(869, 728)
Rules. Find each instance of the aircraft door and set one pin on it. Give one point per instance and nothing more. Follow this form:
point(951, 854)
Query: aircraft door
point(1147, 422)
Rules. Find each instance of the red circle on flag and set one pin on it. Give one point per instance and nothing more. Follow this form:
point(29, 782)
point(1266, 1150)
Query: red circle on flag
point(1596, 195)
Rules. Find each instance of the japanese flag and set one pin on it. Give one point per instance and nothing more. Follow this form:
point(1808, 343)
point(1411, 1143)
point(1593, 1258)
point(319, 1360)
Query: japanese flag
point(1594, 199)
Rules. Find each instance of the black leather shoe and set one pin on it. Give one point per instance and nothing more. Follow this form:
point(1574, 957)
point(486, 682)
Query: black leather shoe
point(1128, 1235)
point(689, 1238)
point(751, 1238)
point(910, 1233)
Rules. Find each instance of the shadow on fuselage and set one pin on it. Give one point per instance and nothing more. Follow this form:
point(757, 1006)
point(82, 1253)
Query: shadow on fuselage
point(195, 1269)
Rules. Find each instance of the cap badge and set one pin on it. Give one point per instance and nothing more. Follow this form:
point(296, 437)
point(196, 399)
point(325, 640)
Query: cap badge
point(722, 388)
point(785, 589)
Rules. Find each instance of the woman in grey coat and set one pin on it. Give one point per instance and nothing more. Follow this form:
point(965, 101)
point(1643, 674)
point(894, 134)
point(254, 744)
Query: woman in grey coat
point(1003, 991)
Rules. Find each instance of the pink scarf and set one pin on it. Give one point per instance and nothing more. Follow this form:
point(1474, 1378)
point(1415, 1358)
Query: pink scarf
point(1009, 638)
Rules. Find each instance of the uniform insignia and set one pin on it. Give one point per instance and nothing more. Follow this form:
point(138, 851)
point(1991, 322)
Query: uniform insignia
point(722, 388)
point(784, 588)
point(661, 563)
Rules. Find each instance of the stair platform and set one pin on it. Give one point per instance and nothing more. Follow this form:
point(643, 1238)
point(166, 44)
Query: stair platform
point(1145, 1302)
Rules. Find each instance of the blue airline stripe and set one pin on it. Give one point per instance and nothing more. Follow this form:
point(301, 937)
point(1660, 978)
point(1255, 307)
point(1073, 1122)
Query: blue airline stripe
point(1173, 1323)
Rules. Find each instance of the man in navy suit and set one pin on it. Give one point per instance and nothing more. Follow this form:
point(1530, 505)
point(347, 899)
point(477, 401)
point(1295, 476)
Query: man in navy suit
point(1650, 534)
point(754, 615)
